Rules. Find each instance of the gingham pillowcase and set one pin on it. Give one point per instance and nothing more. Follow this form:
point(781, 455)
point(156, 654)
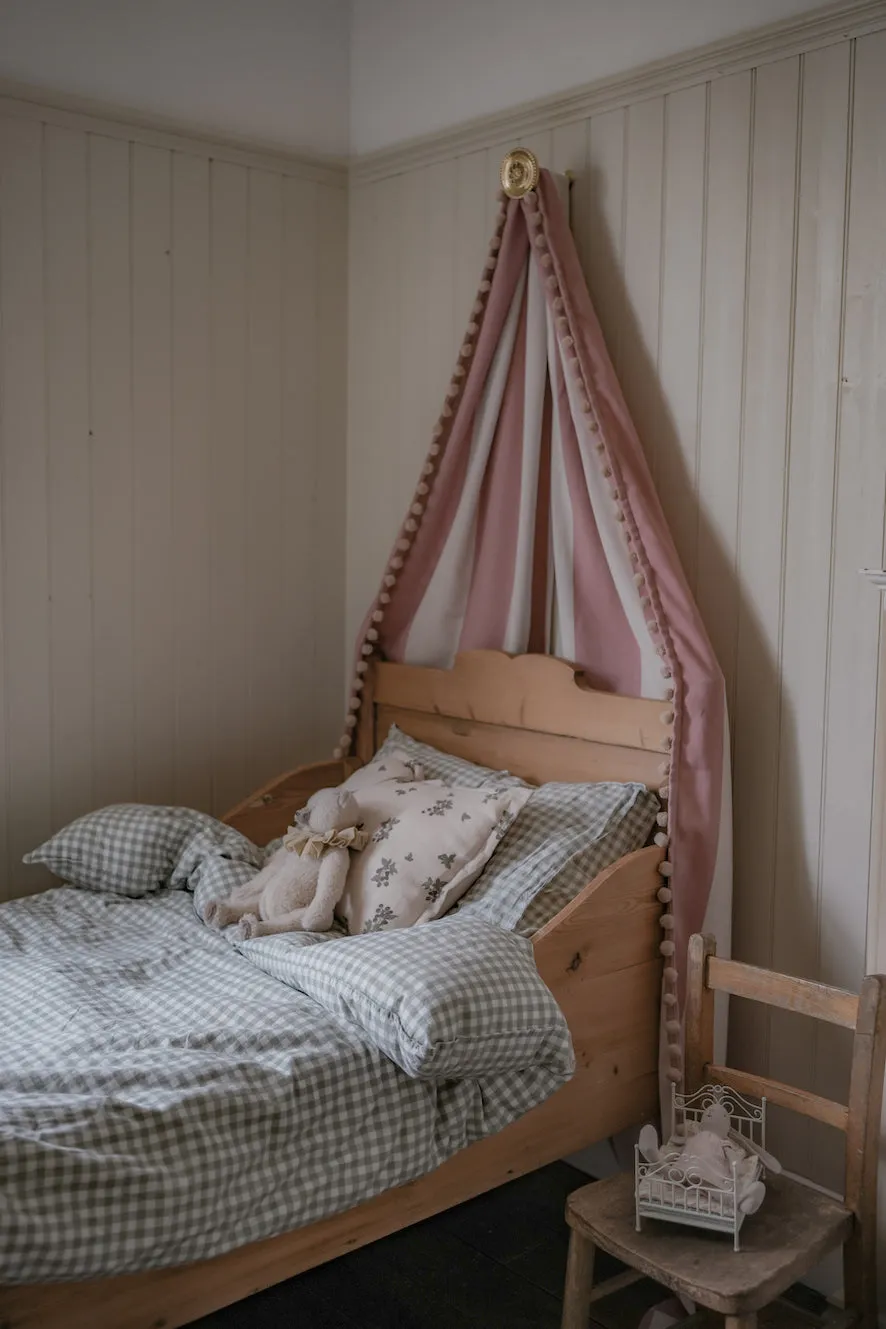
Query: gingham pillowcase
point(134, 849)
point(448, 1000)
point(565, 836)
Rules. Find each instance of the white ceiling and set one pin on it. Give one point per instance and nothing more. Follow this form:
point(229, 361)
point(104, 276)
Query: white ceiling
point(275, 71)
point(423, 65)
point(326, 76)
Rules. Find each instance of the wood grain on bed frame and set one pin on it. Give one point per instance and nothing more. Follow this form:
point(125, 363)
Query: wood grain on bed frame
point(599, 956)
point(529, 714)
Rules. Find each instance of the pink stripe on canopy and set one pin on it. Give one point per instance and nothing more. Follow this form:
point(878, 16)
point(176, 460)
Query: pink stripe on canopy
point(498, 514)
point(535, 414)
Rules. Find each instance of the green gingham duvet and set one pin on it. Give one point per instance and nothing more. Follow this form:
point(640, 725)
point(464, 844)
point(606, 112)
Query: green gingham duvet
point(163, 1099)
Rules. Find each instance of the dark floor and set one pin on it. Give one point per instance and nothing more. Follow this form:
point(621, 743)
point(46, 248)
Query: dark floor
point(496, 1262)
point(493, 1262)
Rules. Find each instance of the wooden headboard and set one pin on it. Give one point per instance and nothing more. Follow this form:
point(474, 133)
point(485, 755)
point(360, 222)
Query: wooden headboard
point(529, 714)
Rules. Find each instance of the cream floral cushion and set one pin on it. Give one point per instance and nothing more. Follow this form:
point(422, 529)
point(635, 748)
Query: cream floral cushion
point(428, 842)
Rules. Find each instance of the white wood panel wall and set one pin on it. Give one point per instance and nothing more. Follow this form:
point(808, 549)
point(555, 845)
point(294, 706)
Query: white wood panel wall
point(732, 235)
point(172, 362)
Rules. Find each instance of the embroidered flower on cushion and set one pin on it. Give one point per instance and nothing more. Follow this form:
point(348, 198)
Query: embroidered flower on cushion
point(447, 860)
point(440, 808)
point(384, 828)
point(433, 888)
point(384, 872)
point(383, 915)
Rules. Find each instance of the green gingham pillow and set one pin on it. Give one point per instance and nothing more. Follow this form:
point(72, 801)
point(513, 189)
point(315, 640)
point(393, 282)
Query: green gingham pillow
point(134, 849)
point(447, 1000)
point(565, 835)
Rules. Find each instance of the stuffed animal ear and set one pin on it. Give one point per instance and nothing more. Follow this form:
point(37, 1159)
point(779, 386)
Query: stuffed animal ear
point(648, 1143)
point(348, 805)
point(324, 810)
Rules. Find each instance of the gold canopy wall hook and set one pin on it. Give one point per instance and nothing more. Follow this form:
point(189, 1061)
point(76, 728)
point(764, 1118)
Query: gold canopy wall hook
point(519, 172)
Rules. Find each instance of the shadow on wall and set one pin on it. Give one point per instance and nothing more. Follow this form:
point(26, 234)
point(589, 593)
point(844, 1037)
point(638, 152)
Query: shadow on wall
point(769, 874)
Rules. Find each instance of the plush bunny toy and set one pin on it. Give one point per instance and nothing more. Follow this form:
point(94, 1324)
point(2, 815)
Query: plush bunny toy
point(301, 883)
point(709, 1152)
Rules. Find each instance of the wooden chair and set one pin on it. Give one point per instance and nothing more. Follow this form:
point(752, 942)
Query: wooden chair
point(796, 1225)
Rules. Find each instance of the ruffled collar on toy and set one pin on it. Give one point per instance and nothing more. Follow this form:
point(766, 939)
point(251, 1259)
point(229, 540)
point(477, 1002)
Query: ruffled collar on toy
point(310, 844)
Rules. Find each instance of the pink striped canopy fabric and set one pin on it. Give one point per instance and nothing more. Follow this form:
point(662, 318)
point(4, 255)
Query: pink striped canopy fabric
point(535, 527)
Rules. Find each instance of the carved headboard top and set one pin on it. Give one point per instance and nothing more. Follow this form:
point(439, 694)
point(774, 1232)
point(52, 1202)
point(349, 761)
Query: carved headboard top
point(530, 714)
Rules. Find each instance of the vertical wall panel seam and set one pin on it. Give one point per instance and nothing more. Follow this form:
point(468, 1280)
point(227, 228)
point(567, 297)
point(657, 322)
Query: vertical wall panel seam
point(785, 496)
point(171, 601)
point(875, 882)
point(702, 309)
point(289, 714)
point(247, 545)
point(281, 752)
point(838, 429)
point(282, 441)
point(878, 701)
point(317, 541)
point(752, 134)
point(47, 474)
point(210, 387)
point(662, 265)
point(5, 865)
point(90, 459)
point(208, 677)
point(131, 227)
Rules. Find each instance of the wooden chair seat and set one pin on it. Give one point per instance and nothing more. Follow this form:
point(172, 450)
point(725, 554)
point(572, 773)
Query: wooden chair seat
point(795, 1227)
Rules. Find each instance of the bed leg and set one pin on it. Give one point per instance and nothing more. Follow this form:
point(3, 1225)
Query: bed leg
point(579, 1282)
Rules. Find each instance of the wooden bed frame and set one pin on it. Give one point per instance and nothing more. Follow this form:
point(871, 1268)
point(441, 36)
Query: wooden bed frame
point(532, 715)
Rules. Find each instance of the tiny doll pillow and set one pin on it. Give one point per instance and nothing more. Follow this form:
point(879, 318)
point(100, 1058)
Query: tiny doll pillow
point(134, 849)
point(428, 842)
point(451, 1000)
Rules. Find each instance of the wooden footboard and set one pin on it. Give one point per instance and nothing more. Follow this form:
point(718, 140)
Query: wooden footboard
point(600, 959)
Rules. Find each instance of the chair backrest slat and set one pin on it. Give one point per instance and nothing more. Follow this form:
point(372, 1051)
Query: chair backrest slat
point(791, 994)
point(760, 1086)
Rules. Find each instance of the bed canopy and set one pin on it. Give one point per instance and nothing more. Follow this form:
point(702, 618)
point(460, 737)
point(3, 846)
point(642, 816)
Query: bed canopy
point(535, 527)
